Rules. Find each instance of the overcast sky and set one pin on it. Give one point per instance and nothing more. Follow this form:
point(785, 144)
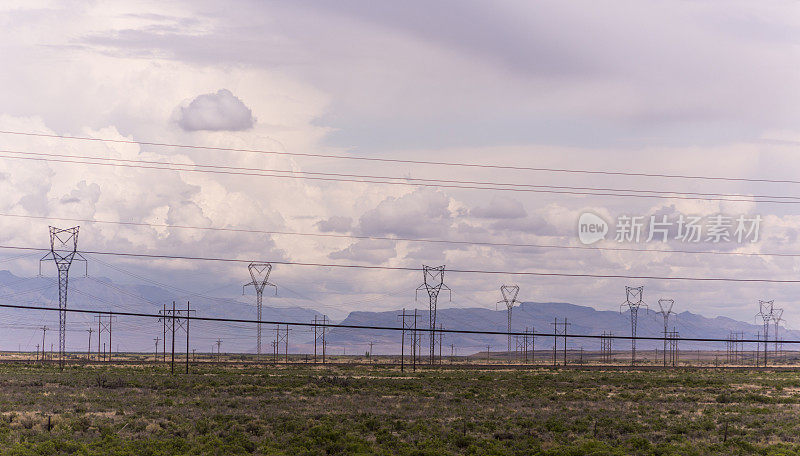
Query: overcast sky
point(701, 88)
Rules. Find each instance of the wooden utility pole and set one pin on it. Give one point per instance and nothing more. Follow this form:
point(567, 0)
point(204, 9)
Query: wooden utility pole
point(164, 321)
point(109, 336)
point(172, 363)
point(403, 343)
point(89, 350)
point(188, 311)
point(44, 331)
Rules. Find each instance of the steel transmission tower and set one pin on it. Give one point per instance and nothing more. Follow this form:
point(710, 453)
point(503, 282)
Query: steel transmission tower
point(605, 346)
point(63, 251)
point(777, 318)
point(666, 309)
point(509, 293)
point(259, 273)
point(633, 299)
point(433, 282)
point(766, 310)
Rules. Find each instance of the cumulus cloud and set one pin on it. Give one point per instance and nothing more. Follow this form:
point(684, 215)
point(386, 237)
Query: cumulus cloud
point(335, 224)
point(368, 250)
point(536, 224)
point(421, 213)
point(216, 112)
point(500, 208)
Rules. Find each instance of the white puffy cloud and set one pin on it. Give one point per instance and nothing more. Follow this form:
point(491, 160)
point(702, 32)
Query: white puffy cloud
point(420, 213)
point(220, 111)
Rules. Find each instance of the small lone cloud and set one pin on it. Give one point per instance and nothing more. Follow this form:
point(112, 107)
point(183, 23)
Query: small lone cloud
point(221, 111)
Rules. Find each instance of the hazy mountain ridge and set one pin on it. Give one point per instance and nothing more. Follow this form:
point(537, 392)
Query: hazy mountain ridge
point(22, 327)
point(540, 316)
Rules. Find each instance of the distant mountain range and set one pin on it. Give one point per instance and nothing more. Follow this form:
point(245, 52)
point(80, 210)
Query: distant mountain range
point(21, 329)
point(540, 317)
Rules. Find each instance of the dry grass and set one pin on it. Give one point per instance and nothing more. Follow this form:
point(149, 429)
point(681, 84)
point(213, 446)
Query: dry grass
point(306, 410)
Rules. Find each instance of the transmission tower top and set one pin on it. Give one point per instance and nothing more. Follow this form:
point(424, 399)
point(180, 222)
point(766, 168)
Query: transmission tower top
point(433, 276)
point(259, 273)
point(777, 314)
point(766, 310)
point(433, 280)
point(63, 248)
point(666, 306)
point(634, 296)
point(64, 241)
point(633, 300)
point(509, 293)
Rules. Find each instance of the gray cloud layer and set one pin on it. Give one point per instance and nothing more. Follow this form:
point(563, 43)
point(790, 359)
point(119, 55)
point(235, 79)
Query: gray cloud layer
point(508, 83)
point(512, 71)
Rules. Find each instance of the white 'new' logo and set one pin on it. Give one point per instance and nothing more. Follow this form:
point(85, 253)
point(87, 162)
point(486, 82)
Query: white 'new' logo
point(591, 228)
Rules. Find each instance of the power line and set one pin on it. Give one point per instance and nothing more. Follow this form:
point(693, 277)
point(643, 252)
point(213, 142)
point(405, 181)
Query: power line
point(404, 179)
point(406, 161)
point(389, 238)
point(400, 268)
point(374, 327)
point(201, 295)
point(162, 284)
point(368, 180)
point(121, 290)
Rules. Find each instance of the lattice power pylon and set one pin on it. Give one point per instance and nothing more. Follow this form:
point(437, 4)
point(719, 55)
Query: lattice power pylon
point(673, 346)
point(777, 318)
point(633, 299)
point(509, 293)
point(665, 306)
point(282, 338)
point(259, 273)
point(605, 346)
point(734, 347)
point(63, 251)
point(766, 310)
point(729, 350)
point(433, 283)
